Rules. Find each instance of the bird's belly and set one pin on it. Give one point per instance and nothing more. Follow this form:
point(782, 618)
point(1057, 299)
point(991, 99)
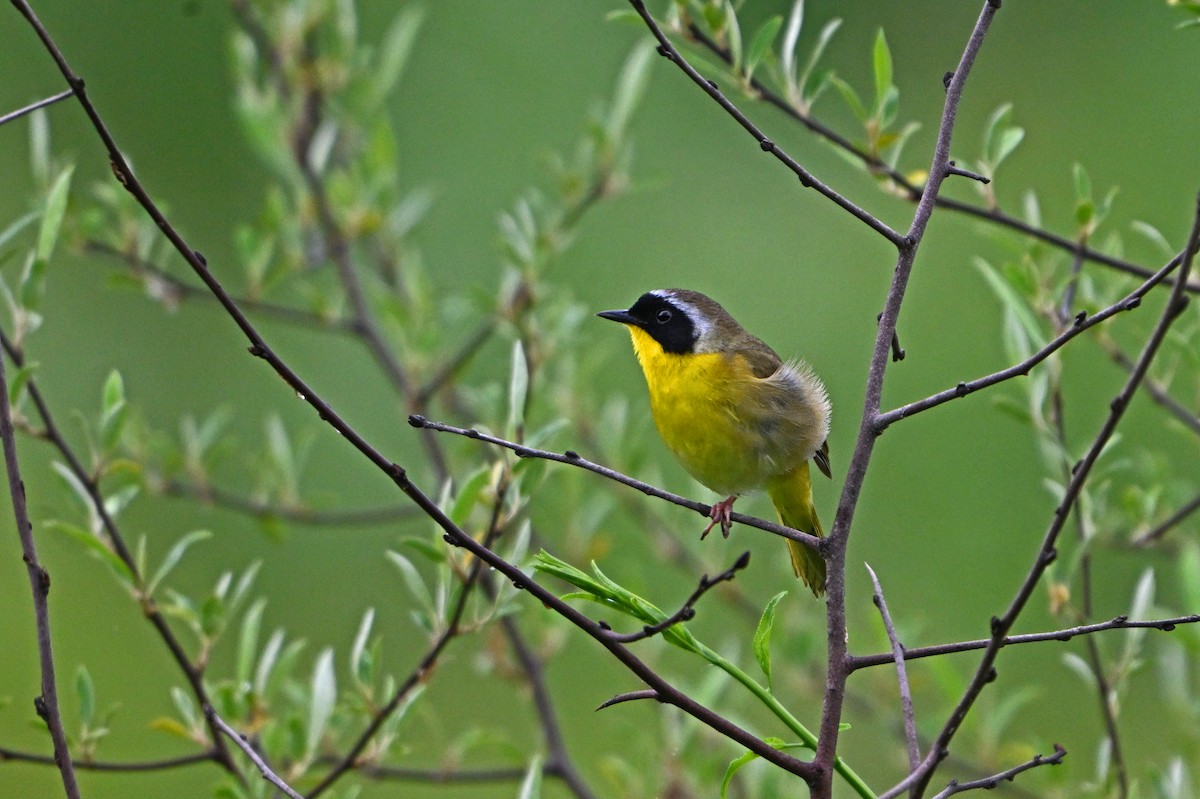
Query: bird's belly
point(717, 439)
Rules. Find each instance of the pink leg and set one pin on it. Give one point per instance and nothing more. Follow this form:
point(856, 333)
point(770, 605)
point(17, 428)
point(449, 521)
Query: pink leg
point(720, 513)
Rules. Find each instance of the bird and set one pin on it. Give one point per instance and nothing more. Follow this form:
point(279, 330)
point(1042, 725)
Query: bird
point(736, 416)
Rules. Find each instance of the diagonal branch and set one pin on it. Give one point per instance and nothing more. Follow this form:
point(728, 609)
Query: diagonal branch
point(668, 51)
point(267, 772)
point(988, 783)
point(573, 458)
point(45, 703)
point(1081, 323)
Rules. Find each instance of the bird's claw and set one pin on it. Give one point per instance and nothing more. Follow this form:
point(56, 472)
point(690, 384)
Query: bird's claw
point(720, 513)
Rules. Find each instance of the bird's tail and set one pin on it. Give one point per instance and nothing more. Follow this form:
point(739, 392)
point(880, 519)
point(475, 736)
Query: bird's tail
point(792, 495)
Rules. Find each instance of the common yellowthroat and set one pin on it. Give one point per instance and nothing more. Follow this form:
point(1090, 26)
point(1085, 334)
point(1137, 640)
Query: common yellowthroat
point(736, 416)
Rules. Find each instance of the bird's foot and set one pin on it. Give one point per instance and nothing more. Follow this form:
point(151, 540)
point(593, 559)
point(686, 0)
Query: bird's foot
point(720, 514)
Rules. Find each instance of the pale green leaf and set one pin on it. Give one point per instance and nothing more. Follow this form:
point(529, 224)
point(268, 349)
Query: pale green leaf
point(324, 695)
point(762, 636)
point(52, 216)
point(174, 555)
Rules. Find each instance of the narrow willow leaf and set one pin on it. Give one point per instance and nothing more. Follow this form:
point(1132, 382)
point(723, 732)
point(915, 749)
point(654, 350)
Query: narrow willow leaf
point(358, 650)
point(97, 546)
point(87, 695)
point(52, 216)
point(393, 54)
point(762, 636)
point(531, 785)
point(881, 60)
point(174, 555)
point(787, 53)
point(324, 694)
point(248, 640)
point(518, 387)
point(631, 87)
point(760, 45)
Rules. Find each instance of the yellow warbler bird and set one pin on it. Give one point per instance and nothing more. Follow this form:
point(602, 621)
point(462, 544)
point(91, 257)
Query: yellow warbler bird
point(736, 416)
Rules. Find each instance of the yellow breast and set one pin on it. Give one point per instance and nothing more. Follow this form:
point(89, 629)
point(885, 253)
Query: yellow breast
point(724, 425)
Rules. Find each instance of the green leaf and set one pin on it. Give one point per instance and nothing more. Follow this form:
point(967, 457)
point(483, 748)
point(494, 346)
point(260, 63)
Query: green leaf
point(174, 555)
point(412, 580)
point(881, 60)
point(393, 54)
point(468, 495)
point(813, 83)
point(266, 662)
point(324, 694)
point(734, 34)
point(359, 656)
point(851, 97)
point(19, 380)
point(19, 224)
point(248, 641)
point(1009, 139)
point(52, 216)
point(87, 695)
point(531, 785)
point(1083, 184)
point(787, 53)
point(760, 45)
point(97, 546)
point(112, 410)
point(749, 757)
point(631, 87)
point(1011, 301)
point(762, 636)
point(518, 388)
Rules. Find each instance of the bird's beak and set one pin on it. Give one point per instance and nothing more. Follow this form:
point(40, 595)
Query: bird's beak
point(624, 317)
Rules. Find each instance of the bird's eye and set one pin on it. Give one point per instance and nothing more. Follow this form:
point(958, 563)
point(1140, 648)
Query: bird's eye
point(664, 316)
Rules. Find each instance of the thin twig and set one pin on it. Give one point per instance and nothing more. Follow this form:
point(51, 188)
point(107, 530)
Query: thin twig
point(1168, 524)
point(869, 429)
point(1129, 302)
point(988, 783)
point(261, 764)
point(299, 514)
point(29, 109)
point(46, 703)
point(668, 51)
point(1187, 417)
point(573, 458)
point(687, 610)
point(195, 759)
point(174, 290)
point(906, 703)
point(857, 662)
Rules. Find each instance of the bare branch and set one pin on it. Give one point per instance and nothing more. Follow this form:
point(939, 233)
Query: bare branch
point(906, 703)
point(300, 514)
point(988, 783)
point(668, 51)
point(573, 458)
point(1115, 623)
point(687, 610)
point(29, 109)
point(1168, 524)
point(209, 756)
point(1129, 302)
point(265, 770)
point(46, 703)
point(630, 696)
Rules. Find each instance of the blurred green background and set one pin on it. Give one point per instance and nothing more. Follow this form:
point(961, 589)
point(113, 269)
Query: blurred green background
point(954, 506)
